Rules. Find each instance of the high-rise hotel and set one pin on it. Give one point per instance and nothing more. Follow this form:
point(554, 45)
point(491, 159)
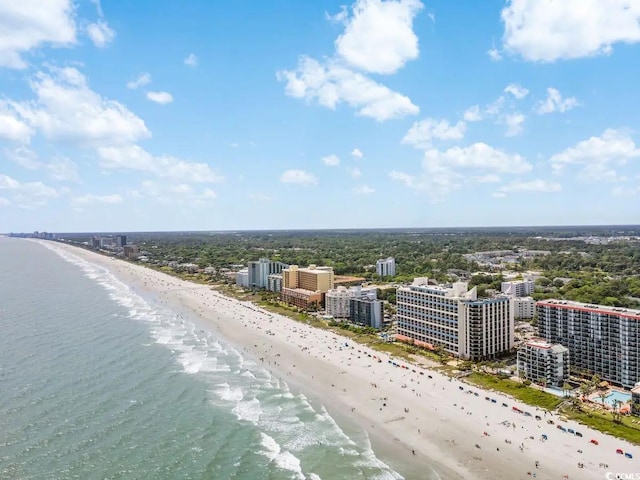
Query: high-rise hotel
point(455, 319)
point(602, 340)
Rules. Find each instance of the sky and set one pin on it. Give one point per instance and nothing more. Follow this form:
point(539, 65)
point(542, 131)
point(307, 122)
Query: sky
point(153, 115)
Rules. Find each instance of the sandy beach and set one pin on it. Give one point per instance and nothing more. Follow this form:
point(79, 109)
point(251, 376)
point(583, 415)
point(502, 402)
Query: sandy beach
point(416, 418)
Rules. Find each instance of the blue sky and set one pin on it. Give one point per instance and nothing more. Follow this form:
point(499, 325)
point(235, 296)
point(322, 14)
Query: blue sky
point(161, 115)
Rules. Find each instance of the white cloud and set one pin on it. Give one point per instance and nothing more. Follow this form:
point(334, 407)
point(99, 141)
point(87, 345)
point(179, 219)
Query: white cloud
point(162, 98)
point(354, 172)
point(29, 24)
point(24, 157)
point(363, 190)
point(531, 186)
point(27, 194)
point(62, 169)
point(446, 171)
point(514, 122)
point(13, 128)
point(4, 202)
point(67, 110)
point(550, 30)
point(134, 157)
point(494, 54)
point(141, 81)
point(174, 194)
point(100, 33)
point(90, 198)
point(378, 35)
point(488, 178)
point(331, 160)
point(516, 90)
point(339, 17)
point(260, 197)
point(357, 153)
point(555, 103)
point(191, 60)
point(622, 191)
point(472, 114)
point(331, 84)
point(299, 177)
point(422, 133)
point(480, 156)
point(597, 156)
point(495, 108)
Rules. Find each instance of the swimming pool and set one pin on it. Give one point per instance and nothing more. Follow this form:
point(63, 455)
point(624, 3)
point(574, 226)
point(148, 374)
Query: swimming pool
point(616, 395)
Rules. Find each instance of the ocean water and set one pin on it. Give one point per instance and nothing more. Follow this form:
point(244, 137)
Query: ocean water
point(97, 382)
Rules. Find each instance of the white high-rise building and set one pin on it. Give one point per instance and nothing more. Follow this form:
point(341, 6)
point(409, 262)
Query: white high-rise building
point(542, 362)
point(518, 288)
point(454, 318)
point(242, 278)
point(524, 308)
point(337, 301)
point(386, 267)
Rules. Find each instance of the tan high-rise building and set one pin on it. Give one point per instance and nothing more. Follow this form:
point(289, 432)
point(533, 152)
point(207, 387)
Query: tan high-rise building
point(302, 286)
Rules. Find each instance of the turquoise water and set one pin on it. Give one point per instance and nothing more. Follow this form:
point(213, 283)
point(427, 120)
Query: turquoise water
point(619, 396)
point(99, 383)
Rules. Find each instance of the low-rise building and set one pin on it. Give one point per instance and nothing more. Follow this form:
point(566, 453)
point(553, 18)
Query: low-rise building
point(131, 251)
point(543, 363)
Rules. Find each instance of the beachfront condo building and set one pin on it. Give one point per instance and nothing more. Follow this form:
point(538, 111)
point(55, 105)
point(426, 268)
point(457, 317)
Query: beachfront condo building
point(635, 400)
point(386, 267)
point(518, 288)
point(259, 271)
point(304, 287)
point(366, 311)
point(242, 278)
point(337, 300)
point(274, 282)
point(601, 340)
point(452, 317)
point(543, 363)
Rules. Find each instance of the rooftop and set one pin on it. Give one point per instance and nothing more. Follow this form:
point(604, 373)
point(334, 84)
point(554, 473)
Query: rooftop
point(623, 312)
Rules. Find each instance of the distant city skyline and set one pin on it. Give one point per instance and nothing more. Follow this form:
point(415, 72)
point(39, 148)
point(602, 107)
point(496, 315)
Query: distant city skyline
point(163, 116)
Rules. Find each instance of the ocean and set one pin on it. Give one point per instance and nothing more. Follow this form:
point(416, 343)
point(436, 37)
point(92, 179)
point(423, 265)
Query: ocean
point(97, 382)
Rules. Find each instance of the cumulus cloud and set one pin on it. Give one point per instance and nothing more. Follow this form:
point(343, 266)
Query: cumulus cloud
point(92, 199)
point(12, 127)
point(67, 110)
point(354, 172)
point(378, 35)
point(357, 153)
point(494, 54)
point(422, 133)
point(163, 98)
point(142, 80)
point(29, 24)
point(331, 84)
point(472, 114)
point(514, 122)
point(531, 186)
point(517, 90)
point(446, 171)
point(191, 60)
point(299, 177)
point(134, 157)
point(555, 103)
point(174, 194)
point(550, 30)
point(363, 190)
point(27, 194)
point(100, 33)
point(331, 160)
point(596, 157)
point(62, 169)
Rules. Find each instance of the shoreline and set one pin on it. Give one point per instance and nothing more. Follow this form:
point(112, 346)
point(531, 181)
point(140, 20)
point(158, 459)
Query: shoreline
point(400, 409)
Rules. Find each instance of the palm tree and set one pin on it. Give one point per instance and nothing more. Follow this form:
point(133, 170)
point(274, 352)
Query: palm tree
point(602, 395)
point(617, 416)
